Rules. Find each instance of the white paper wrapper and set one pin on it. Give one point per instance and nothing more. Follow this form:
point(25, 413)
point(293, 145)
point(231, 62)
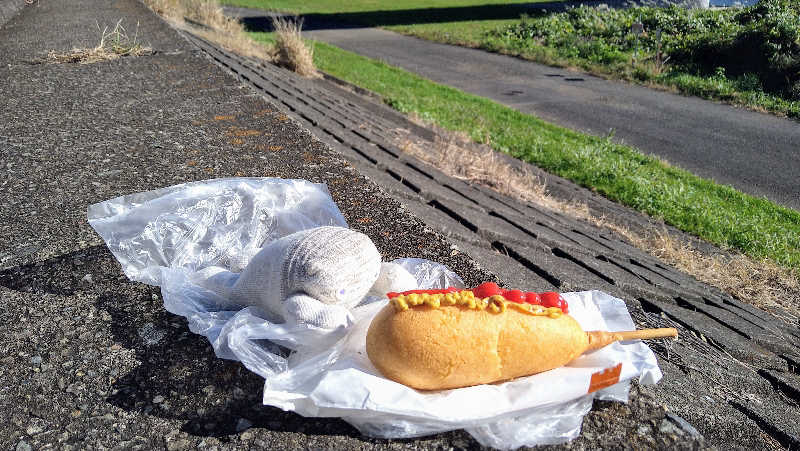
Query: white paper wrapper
point(164, 237)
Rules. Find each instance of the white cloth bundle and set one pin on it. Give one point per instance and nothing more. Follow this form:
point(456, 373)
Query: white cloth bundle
point(311, 277)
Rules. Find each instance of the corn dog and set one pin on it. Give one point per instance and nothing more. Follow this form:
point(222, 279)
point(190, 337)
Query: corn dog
point(441, 339)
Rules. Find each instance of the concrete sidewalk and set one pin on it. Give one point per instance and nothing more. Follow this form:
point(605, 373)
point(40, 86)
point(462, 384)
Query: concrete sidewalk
point(90, 360)
point(755, 153)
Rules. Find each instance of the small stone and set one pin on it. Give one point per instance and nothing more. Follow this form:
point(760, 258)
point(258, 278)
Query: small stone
point(35, 427)
point(87, 278)
point(178, 445)
point(238, 393)
point(681, 425)
point(150, 334)
point(36, 360)
point(243, 424)
point(158, 399)
point(22, 445)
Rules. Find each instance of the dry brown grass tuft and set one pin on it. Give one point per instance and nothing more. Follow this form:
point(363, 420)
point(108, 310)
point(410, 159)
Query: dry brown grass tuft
point(291, 51)
point(206, 19)
point(760, 283)
point(457, 156)
point(113, 44)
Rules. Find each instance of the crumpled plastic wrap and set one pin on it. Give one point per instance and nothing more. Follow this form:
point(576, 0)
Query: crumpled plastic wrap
point(164, 237)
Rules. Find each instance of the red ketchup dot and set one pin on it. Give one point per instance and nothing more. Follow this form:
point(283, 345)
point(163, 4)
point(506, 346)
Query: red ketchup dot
point(486, 289)
point(533, 298)
point(551, 299)
point(514, 296)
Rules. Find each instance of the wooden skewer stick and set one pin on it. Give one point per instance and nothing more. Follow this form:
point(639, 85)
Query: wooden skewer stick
point(600, 338)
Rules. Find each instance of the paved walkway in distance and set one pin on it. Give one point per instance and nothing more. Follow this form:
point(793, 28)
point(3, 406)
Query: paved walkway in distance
point(754, 152)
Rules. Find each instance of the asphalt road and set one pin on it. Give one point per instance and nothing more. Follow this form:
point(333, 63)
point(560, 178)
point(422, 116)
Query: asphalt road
point(754, 152)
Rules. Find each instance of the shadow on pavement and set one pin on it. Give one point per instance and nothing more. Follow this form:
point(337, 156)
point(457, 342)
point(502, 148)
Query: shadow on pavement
point(254, 21)
point(257, 20)
point(178, 376)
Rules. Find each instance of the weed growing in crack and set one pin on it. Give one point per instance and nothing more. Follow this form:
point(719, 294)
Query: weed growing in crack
point(113, 44)
point(291, 51)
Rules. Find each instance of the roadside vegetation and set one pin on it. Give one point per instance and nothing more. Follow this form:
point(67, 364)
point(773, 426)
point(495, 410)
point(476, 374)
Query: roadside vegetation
point(290, 50)
point(744, 56)
point(205, 18)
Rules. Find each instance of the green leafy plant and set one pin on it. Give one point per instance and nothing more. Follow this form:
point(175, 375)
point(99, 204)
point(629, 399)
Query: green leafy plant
point(743, 55)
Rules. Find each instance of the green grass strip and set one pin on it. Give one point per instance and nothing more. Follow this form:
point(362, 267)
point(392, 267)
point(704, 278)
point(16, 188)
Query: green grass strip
point(714, 212)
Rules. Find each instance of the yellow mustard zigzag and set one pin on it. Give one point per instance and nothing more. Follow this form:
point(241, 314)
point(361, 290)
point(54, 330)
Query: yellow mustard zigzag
point(467, 299)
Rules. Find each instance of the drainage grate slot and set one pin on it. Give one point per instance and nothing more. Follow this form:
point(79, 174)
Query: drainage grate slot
point(689, 306)
point(385, 149)
point(786, 440)
point(593, 239)
point(651, 307)
point(792, 362)
point(402, 180)
point(517, 226)
point(603, 258)
point(732, 309)
point(420, 171)
point(562, 254)
point(636, 263)
point(527, 263)
point(462, 195)
point(541, 224)
point(439, 206)
point(365, 156)
point(779, 385)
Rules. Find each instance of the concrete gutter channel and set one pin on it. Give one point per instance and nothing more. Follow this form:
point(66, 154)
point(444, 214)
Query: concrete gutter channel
point(92, 360)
